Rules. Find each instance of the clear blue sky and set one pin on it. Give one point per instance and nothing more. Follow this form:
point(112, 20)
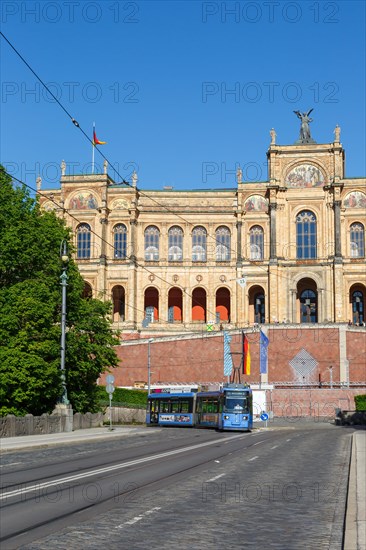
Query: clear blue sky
point(156, 76)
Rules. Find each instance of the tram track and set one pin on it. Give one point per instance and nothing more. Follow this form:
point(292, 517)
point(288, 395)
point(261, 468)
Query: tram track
point(132, 469)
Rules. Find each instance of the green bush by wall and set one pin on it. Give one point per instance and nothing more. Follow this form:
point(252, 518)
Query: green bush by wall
point(122, 396)
point(360, 402)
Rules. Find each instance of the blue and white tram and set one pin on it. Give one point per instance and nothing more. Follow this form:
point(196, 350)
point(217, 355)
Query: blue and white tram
point(171, 409)
point(229, 408)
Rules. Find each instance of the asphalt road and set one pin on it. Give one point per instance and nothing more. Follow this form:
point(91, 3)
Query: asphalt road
point(283, 488)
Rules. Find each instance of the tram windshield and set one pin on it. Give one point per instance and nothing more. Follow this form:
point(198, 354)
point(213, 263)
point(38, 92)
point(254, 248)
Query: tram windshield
point(236, 402)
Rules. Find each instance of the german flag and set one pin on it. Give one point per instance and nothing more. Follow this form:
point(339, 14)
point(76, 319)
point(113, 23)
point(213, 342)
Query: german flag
point(96, 140)
point(246, 355)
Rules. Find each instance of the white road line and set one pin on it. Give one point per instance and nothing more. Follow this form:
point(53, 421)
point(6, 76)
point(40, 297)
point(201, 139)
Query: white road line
point(76, 477)
point(214, 478)
point(138, 518)
point(253, 458)
point(288, 439)
point(275, 447)
point(11, 464)
point(133, 520)
point(258, 442)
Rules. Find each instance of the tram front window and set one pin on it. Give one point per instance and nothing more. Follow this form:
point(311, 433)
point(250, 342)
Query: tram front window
point(236, 404)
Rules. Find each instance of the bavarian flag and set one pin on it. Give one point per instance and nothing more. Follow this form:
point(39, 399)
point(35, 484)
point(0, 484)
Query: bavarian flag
point(246, 355)
point(96, 140)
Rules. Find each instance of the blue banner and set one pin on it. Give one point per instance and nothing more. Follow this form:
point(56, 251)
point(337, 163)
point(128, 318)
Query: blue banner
point(228, 361)
point(263, 350)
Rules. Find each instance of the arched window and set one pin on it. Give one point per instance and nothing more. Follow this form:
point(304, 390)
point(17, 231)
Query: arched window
point(152, 235)
point(199, 299)
point(87, 291)
point(118, 297)
point(306, 235)
point(256, 243)
point(222, 305)
point(120, 241)
point(175, 244)
point(309, 307)
point(151, 305)
point(357, 240)
point(259, 308)
point(358, 308)
point(83, 241)
point(222, 244)
point(175, 305)
point(199, 244)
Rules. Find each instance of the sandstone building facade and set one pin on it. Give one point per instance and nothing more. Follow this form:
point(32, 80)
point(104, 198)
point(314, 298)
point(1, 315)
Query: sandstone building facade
point(290, 249)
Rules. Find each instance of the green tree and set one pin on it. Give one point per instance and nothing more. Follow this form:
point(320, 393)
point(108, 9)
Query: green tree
point(30, 305)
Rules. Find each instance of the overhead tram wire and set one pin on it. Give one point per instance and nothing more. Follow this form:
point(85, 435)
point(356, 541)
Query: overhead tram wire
point(142, 193)
point(263, 268)
point(37, 192)
point(101, 238)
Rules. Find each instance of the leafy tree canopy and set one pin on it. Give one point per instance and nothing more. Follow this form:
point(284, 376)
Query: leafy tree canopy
point(30, 320)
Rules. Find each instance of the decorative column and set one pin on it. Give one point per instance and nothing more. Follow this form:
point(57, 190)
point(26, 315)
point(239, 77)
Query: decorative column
point(337, 232)
point(273, 294)
point(273, 235)
point(338, 285)
point(132, 298)
point(239, 227)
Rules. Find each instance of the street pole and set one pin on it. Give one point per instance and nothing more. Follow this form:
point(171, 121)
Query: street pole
point(64, 278)
point(148, 366)
point(63, 407)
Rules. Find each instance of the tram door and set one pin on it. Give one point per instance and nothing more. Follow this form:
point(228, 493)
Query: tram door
point(154, 411)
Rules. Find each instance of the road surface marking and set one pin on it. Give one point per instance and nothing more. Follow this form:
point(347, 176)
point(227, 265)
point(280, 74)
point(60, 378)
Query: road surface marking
point(214, 478)
point(253, 458)
point(76, 477)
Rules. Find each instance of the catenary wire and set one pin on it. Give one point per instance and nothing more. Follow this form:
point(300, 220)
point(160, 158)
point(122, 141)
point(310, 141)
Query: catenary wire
point(142, 193)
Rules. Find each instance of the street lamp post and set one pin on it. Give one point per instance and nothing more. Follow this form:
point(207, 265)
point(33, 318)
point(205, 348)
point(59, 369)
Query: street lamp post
point(148, 366)
point(64, 258)
point(63, 407)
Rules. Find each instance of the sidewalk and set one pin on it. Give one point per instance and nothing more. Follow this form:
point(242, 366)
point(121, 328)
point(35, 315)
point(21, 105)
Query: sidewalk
point(46, 440)
point(355, 528)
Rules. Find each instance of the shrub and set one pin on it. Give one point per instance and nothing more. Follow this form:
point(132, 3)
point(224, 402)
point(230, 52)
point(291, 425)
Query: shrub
point(360, 401)
point(131, 398)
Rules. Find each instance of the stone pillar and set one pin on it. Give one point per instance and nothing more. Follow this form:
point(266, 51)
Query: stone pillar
point(66, 413)
point(337, 232)
point(343, 363)
point(133, 315)
point(338, 293)
point(273, 234)
point(239, 227)
point(293, 305)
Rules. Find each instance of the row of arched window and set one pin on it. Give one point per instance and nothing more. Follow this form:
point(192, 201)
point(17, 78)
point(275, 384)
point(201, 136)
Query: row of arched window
point(306, 241)
point(307, 301)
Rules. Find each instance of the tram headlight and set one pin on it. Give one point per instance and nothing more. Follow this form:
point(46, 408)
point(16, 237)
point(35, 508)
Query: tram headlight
point(245, 418)
point(226, 417)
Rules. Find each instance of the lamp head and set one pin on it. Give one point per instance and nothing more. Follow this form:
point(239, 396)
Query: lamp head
point(64, 252)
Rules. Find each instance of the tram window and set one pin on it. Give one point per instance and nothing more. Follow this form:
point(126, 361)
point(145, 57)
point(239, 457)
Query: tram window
point(236, 404)
point(209, 405)
point(184, 407)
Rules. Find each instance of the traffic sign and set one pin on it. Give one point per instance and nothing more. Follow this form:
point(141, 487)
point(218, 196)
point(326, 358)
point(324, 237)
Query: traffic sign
point(264, 416)
point(110, 379)
point(110, 388)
